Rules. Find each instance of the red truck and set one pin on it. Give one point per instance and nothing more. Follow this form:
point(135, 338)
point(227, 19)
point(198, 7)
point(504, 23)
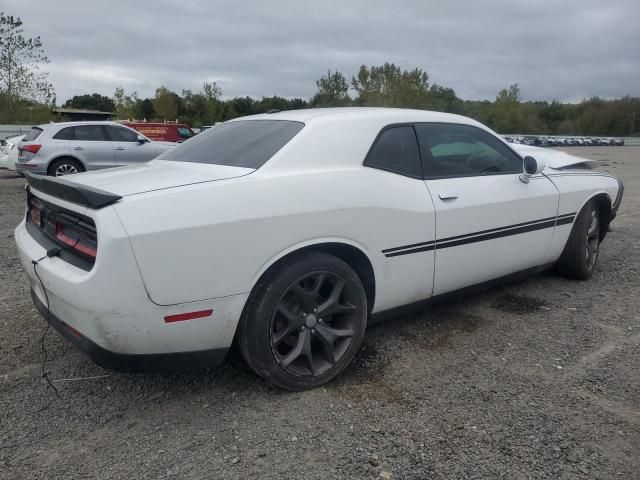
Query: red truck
point(164, 132)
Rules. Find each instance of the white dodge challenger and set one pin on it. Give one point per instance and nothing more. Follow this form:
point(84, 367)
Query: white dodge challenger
point(285, 233)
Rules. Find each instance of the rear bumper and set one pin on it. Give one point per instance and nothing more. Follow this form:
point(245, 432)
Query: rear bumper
point(131, 362)
point(107, 312)
point(31, 168)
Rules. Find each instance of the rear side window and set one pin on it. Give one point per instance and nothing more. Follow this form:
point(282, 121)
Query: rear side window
point(454, 150)
point(396, 150)
point(32, 135)
point(89, 133)
point(244, 143)
point(64, 134)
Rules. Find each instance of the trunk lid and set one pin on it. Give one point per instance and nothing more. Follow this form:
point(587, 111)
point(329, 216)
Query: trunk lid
point(154, 175)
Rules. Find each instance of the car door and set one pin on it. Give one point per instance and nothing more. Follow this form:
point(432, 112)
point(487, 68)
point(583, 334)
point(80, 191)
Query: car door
point(406, 228)
point(128, 150)
point(92, 147)
point(489, 224)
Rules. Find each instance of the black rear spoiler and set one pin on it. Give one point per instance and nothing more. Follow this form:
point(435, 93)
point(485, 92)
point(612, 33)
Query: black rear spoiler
point(72, 192)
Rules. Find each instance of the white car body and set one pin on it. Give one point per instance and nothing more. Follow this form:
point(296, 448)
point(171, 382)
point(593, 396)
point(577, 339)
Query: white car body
point(191, 237)
point(9, 159)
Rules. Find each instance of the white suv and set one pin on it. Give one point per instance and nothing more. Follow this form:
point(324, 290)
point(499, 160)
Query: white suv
point(62, 148)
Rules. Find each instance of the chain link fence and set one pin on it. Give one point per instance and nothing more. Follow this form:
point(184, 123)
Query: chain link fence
point(8, 131)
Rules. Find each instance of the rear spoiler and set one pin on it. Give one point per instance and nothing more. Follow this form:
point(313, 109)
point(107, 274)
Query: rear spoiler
point(72, 192)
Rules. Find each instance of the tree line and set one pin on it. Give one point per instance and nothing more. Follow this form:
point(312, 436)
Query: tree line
point(26, 96)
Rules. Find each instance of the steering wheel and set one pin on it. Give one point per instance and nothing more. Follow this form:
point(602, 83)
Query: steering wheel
point(494, 167)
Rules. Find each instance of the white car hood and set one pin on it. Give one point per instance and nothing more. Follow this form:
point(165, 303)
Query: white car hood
point(555, 159)
point(155, 175)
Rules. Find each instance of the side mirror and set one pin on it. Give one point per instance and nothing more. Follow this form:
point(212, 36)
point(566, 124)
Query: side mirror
point(142, 139)
point(531, 167)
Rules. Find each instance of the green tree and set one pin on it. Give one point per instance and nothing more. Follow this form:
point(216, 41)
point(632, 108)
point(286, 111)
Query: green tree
point(20, 61)
point(332, 91)
point(125, 103)
point(166, 104)
point(95, 101)
point(143, 109)
point(388, 85)
point(506, 116)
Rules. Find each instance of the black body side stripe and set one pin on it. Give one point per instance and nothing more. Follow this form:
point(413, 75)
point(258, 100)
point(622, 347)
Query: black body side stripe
point(481, 236)
point(395, 249)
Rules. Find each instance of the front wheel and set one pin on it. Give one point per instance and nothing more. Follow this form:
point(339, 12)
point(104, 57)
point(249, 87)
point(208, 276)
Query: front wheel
point(578, 260)
point(304, 322)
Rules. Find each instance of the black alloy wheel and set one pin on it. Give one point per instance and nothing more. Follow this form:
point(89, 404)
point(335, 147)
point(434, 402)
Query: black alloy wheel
point(592, 240)
point(304, 321)
point(314, 324)
point(580, 255)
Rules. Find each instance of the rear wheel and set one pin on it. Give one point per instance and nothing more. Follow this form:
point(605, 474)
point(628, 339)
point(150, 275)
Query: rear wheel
point(580, 255)
point(64, 166)
point(304, 322)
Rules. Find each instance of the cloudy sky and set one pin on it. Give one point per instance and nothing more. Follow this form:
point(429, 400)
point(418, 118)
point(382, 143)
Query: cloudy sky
point(566, 49)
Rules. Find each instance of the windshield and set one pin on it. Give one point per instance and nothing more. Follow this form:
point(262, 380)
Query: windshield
point(245, 143)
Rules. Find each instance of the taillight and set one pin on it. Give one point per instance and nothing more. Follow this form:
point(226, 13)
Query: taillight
point(77, 237)
point(32, 148)
point(36, 212)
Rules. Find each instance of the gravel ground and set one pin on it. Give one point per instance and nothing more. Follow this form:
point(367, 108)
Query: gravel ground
point(536, 379)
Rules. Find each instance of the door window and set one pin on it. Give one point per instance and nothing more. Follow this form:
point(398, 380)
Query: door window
point(121, 134)
point(87, 133)
point(396, 150)
point(451, 150)
point(184, 133)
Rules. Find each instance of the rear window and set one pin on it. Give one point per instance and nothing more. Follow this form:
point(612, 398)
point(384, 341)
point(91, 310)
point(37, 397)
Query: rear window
point(245, 143)
point(32, 135)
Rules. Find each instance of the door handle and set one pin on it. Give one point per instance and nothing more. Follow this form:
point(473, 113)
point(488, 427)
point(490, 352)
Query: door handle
point(78, 148)
point(119, 148)
point(447, 196)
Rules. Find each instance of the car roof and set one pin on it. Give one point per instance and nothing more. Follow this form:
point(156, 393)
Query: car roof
point(74, 124)
point(362, 113)
point(164, 124)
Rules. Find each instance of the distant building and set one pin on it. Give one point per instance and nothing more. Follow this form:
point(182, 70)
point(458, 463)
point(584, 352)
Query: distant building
point(78, 114)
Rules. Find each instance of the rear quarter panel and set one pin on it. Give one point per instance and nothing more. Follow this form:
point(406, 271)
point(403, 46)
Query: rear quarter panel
point(216, 239)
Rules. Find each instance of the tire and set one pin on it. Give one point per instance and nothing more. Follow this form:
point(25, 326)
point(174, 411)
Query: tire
point(64, 166)
point(580, 255)
point(282, 335)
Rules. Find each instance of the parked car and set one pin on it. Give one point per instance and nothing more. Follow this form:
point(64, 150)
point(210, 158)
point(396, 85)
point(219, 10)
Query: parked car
point(163, 132)
point(288, 231)
point(62, 148)
point(9, 159)
point(619, 142)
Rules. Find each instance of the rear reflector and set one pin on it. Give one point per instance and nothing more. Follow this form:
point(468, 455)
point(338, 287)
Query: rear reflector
point(188, 316)
point(73, 331)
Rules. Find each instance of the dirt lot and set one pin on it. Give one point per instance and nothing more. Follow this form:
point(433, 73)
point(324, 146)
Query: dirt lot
point(537, 379)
